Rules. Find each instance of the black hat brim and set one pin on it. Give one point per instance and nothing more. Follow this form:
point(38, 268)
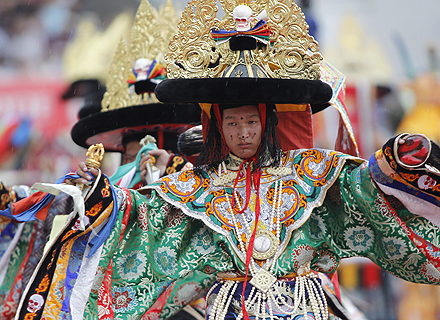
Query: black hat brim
point(110, 127)
point(83, 87)
point(246, 90)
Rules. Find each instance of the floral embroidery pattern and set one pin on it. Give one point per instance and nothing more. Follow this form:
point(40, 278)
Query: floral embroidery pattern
point(202, 241)
point(359, 238)
point(143, 216)
point(164, 285)
point(131, 265)
point(430, 272)
point(317, 227)
point(187, 293)
point(432, 253)
point(152, 316)
point(123, 299)
point(302, 254)
point(382, 206)
point(165, 259)
point(174, 219)
point(326, 263)
point(395, 248)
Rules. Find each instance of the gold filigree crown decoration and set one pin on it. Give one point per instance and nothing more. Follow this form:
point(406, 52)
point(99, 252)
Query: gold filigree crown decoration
point(243, 2)
point(95, 154)
point(170, 19)
point(290, 54)
point(148, 39)
point(88, 56)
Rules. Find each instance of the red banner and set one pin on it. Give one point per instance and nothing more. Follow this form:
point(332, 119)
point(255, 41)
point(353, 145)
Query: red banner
point(39, 100)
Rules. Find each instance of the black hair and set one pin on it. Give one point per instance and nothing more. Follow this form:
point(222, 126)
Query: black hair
point(190, 142)
point(137, 136)
point(215, 151)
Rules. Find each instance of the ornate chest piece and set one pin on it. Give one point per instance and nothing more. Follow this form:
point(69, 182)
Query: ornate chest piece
point(265, 245)
point(263, 280)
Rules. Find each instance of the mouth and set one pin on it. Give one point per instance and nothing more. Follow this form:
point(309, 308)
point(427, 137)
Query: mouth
point(244, 145)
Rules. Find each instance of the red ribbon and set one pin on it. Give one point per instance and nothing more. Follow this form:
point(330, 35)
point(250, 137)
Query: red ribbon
point(256, 176)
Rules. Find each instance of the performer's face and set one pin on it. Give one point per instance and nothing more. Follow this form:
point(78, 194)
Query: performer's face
point(242, 130)
point(130, 153)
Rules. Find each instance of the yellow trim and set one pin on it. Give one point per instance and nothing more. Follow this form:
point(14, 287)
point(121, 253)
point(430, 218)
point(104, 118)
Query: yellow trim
point(280, 107)
point(206, 107)
point(241, 279)
point(291, 107)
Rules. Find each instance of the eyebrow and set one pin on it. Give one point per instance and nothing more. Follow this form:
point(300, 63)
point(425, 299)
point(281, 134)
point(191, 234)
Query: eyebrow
point(233, 117)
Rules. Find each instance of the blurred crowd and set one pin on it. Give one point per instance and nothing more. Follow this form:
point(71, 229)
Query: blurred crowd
point(33, 33)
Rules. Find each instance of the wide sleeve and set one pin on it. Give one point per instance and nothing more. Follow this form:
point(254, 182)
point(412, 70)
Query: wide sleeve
point(162, 261)
point(364, 219)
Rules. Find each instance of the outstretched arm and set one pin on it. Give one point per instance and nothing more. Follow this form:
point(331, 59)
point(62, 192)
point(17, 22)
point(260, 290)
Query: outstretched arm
point(86, 175)
point(166, 162)
point(417, 152)
point(408, 166)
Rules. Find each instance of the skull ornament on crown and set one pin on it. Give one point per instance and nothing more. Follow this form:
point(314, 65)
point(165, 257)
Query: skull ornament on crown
point(35, 303)
point(141, 68)
point(242, 16)
point(426, 182)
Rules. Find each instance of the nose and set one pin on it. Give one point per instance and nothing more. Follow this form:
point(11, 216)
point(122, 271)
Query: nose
point(243, 132)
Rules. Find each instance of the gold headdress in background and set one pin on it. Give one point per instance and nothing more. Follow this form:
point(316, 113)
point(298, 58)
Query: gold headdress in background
point(168, 29)
point(129, 108)
point(147, 40)
point(88, 56)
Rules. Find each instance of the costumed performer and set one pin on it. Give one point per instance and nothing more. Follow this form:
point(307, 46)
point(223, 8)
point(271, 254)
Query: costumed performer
point(85, 67)
point(251, 225)
point(22, 245)
point(129, 109)
point(130, 120)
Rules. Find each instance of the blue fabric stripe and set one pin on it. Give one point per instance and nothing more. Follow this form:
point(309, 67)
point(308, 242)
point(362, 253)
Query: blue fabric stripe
point(97, 241)
point(29, 215)
point(102, 235)
point(380, 177)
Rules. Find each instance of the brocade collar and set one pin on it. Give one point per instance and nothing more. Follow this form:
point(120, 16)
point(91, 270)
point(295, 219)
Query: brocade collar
point(235, 162)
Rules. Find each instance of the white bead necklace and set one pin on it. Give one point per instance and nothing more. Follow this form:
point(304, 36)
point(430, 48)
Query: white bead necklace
point(223, 300)
point(304, 281)
point(225, 178)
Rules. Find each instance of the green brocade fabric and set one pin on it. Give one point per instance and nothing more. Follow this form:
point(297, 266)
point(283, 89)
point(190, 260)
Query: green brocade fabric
point(163, 254)
point(16, 261)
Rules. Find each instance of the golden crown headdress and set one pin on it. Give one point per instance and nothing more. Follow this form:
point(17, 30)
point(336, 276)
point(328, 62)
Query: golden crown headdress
point(292, 53)
point(287, 70)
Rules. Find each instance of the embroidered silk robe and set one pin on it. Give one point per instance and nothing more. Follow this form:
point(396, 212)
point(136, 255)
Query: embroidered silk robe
point(169, 243)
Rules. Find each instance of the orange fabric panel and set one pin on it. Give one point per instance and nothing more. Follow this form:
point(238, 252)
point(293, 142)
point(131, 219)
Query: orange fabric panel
point(295, 130)
point(27, 203)
point(30, 201)
point(42, 214)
